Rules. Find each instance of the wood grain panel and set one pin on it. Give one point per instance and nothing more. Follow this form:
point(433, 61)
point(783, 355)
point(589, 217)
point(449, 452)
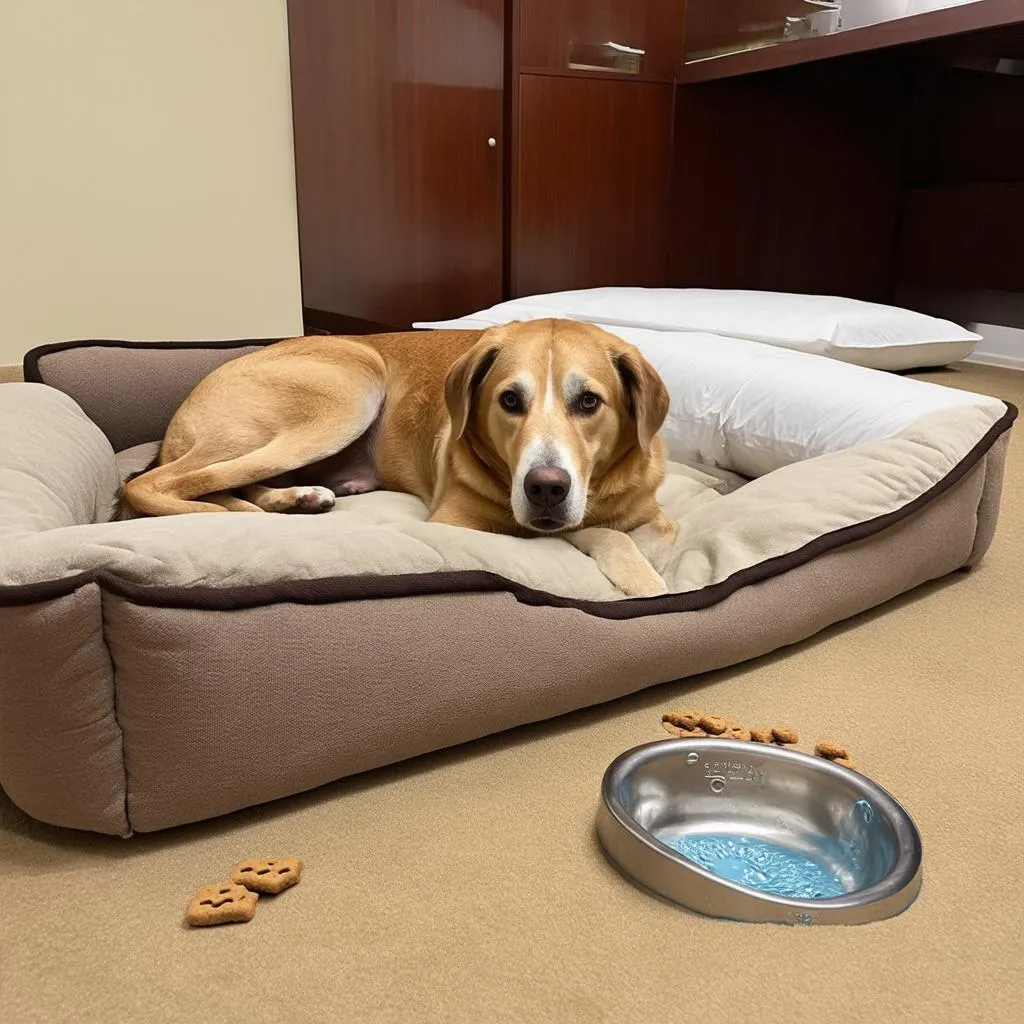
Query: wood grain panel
point(790, 181)
point(590, 198)
point(964, 237)
point(399, 194)
point(554, 32)
point(968, 127)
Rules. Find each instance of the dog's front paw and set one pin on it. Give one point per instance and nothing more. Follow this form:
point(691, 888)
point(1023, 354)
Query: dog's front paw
point(656, 541)
point(621, 561)
point(639, 583)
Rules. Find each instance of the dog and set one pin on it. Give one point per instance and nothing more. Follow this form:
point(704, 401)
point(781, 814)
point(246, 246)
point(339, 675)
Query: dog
point(538, 428)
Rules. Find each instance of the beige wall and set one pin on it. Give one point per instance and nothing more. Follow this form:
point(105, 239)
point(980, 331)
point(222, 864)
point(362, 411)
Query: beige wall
point(146, 177)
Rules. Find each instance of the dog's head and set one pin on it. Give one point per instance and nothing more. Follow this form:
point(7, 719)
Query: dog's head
point(549, 406)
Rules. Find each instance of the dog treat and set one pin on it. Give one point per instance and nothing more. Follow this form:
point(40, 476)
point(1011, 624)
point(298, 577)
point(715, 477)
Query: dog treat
point(715, 725)
point(268, 876)
point(737, 732)
point(689, 722)
point(675, 730)
point(831, 751)
point(221, 904)
point(836, 753)
point(684, 718)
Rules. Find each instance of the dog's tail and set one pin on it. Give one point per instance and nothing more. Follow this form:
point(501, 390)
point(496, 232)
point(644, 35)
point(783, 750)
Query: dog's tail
point(154, 491)
point(122, 509)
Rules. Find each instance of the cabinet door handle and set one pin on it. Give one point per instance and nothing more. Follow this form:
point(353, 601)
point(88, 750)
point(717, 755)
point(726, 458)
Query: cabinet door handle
point(492, 142)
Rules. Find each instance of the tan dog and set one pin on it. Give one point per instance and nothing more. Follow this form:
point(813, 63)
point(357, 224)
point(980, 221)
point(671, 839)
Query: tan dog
point(543, 427)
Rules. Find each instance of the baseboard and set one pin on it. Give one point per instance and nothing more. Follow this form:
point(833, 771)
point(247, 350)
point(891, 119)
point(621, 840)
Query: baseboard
point(996, 359)
point(10, 374)
point(1000, 345)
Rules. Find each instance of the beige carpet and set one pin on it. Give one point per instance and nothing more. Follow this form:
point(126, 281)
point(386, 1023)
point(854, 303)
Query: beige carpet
point(468, 886)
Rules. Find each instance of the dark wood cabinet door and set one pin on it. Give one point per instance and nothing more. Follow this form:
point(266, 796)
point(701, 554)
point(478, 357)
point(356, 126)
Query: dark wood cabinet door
point(398, 121)
point(590, 192)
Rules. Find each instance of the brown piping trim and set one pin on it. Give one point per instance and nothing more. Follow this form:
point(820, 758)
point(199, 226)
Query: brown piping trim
point(367, 588)
point(33, 373)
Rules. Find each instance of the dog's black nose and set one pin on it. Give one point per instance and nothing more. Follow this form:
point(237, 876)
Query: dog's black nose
point(547, 486)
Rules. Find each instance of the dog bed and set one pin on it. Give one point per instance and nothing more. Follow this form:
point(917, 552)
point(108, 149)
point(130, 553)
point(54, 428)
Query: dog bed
point(161, 671)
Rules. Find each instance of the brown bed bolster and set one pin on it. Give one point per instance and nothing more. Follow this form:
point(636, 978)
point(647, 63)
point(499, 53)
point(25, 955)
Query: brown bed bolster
point(33, 373)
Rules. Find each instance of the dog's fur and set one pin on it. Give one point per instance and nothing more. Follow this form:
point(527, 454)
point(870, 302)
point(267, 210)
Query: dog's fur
point(542, 427)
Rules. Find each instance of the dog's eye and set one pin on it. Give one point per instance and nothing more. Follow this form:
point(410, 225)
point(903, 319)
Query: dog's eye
point(511, 401)
point(588, 401)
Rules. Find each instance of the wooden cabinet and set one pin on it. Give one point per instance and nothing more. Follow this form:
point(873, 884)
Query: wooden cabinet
point(449, 153)
point(399, 141)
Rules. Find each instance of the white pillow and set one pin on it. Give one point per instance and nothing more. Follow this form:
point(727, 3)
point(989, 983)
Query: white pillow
point(752, 408)
point(865, 333)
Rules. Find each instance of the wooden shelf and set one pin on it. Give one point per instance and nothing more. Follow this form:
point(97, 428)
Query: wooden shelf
point(952, 21)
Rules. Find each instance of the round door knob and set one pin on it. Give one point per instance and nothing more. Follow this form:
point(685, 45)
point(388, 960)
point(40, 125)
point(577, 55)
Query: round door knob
point(492, 142)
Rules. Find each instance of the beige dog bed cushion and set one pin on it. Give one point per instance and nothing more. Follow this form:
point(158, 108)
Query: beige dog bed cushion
point(157, 666)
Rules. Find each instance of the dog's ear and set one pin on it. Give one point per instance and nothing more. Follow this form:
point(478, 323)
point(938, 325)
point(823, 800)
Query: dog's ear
point(646, 395)
point(463, 382)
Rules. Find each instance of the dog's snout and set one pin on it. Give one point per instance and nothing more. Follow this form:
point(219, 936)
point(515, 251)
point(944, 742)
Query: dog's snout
point(547, 486)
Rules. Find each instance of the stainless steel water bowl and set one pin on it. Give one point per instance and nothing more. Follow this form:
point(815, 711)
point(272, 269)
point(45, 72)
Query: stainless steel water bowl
point(661, 792)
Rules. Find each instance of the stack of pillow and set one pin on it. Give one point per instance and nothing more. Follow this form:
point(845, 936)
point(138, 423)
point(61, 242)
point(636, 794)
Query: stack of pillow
point(750, 391)
point(865, 333)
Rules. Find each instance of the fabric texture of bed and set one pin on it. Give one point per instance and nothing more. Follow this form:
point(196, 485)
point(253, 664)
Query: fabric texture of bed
point(155, 667)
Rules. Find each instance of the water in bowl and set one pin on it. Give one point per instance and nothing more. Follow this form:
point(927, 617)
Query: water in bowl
point(760, 864)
